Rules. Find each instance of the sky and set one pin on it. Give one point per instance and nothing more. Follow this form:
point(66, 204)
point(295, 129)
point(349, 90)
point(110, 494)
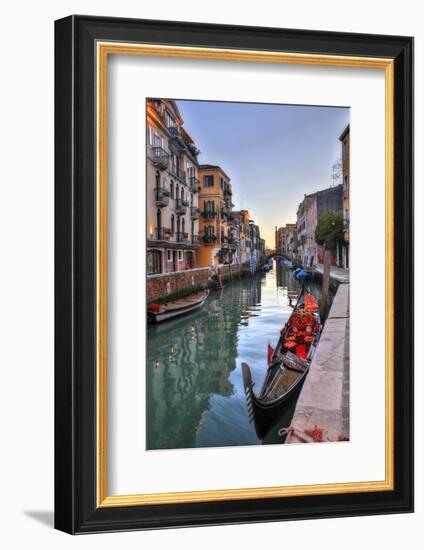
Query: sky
point(273, 154)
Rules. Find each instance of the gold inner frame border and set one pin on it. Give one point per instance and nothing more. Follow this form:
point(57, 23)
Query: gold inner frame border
point(103, 50)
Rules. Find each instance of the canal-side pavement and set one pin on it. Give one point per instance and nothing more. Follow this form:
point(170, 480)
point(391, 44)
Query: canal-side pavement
point(324, 399)
point(339, 274)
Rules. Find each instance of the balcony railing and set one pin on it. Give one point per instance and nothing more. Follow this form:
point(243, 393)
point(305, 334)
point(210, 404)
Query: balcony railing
point(225, 212)
point(160, 158)
point(194, 185)
point(163, 233)
point(209, 214)
point(181, 207)
point(182, 237)
point(194, 212)
point(162, 196)
point(209, 239)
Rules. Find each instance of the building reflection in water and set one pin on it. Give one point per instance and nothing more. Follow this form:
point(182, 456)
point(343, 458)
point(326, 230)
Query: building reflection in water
point(195, 395)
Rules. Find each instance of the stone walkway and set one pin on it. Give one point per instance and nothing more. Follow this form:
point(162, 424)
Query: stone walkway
point(324, 398)
point(339, 274)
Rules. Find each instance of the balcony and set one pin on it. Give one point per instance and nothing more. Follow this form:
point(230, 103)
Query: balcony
point(194, 185)
point(162, 196)
point(182, 237)
point(163, 233)
point(228, 192)
point(209, 214)
point(179, 174)
point(182, 176)
point(225, 212)
point(181, 207)
point(194, 212)
point(209, 239)
point(160, 158)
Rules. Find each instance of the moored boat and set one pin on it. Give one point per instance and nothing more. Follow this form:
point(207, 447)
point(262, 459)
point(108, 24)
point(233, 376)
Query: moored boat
point(288, 365)
point(157, 313)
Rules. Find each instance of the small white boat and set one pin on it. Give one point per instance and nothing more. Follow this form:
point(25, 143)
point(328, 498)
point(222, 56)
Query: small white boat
point(157, 313)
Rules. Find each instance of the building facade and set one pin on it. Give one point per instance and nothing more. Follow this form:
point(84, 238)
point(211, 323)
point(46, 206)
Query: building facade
point(172, 190)
point(345, 141)
point(286, 240)
point(308, 214)
point(306, 225)
point(216, 221)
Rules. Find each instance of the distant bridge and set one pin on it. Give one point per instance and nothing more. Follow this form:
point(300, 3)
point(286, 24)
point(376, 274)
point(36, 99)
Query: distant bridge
point(274, 254)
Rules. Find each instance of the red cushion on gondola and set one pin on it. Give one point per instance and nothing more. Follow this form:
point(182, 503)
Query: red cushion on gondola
point(301, 351)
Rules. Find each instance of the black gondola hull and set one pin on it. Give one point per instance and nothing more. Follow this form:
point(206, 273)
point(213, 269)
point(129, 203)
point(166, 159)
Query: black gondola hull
point(264, 415)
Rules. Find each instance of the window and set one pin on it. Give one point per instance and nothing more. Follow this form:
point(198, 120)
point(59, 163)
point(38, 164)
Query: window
point(346, 215)
point(169, 254)
point(150, 136)
point(170, 120)
point(157, 179)
point(154, 261)
point(157, 140)
point(209, 206)
point(207, 181)
point(222, 183)
point(172, 190)
point(180, 255)
point(345, 150)
point(172, 227)
point(346, 183)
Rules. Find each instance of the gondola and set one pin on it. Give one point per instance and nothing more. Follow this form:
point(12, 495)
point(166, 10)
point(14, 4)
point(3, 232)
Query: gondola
point(288, 365)
point(157, 313)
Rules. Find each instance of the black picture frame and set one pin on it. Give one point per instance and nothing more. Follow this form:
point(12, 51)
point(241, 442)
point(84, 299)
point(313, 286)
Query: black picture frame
point(76, 508)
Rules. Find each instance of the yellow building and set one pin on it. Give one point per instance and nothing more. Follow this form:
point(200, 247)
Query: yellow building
point(345, 140)
point(215, 218)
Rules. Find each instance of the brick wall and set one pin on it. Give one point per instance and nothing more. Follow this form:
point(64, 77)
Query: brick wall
point(236, 269)
point(175, 283)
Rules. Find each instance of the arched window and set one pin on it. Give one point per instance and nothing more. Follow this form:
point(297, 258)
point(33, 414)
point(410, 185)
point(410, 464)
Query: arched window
point(159, 223)
point(172, 190)
point(157, 179)
point(173, 224)
point(178, 224)
point(183, 226)
point(182, 193)
point(177, 190)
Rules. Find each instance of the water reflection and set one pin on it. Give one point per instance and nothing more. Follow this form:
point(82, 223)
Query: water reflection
point(195, 395)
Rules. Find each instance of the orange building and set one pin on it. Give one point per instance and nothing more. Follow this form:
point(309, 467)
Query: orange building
point(215, 218)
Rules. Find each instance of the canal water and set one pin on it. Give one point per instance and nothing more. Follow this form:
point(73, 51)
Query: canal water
point(195, 394)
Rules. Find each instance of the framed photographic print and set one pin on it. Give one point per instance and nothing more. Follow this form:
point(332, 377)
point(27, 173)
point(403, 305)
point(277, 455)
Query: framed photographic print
point(233, 271)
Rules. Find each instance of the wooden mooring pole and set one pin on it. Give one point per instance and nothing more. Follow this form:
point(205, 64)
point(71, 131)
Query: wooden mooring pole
point(325, 282)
